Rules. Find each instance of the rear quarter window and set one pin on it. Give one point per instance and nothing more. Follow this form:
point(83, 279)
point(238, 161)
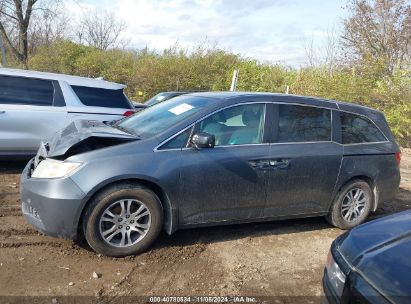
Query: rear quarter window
point(98, 97)
point(26, 91)
point(357, 129)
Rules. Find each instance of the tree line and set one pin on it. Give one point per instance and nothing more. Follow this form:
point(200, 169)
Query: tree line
point(368, 63)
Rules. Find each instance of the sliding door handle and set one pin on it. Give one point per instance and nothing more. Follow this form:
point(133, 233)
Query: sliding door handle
point(260, 164)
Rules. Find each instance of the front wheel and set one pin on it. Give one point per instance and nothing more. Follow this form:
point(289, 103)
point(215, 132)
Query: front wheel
point(122, 220)
point(351, 205)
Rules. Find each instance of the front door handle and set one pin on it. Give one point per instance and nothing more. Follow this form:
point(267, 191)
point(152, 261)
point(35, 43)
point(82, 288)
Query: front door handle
point(282, 163)
point(263, 164)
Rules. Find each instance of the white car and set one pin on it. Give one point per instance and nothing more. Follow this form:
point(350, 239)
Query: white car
point(34, 105)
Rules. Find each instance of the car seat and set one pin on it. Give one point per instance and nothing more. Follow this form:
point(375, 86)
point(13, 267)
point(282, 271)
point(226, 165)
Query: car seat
point(250, 133)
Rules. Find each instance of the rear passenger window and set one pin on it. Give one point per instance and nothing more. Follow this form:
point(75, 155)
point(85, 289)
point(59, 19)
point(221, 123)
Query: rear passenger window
point(356, 129)
point(303, 124)
point(26, 91)
point(98, 97)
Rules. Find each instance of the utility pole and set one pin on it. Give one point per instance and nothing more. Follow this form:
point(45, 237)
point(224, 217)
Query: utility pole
point(234, 81)
point(3, 53)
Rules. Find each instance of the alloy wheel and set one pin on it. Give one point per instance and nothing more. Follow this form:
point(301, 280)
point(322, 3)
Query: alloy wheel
point(125, 222)
point(354, 204)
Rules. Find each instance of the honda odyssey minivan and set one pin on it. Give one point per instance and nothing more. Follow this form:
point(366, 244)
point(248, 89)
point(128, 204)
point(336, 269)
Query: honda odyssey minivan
point(205, 159)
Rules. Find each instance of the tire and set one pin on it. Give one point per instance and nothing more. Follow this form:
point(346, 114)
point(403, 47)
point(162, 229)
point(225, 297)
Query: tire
point(124, 219)
point(346, 211)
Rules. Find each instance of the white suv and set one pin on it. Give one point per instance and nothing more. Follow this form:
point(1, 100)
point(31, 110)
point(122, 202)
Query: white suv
point(34, 105)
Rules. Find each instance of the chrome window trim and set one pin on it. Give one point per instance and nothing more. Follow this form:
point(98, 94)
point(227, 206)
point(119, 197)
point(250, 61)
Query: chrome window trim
point(334, 142)
point(156, 149)
point(303, 105)
point(306, 142)
point(367, 143)
point(228, 146)
point(267, 144)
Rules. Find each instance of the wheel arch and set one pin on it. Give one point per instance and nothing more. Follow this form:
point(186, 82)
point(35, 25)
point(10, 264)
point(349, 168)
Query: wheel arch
point(169, 215)
point(369, 180)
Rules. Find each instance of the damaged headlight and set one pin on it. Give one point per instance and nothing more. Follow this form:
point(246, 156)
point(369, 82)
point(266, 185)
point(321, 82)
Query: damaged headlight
point(50, 168)
point(335, 275)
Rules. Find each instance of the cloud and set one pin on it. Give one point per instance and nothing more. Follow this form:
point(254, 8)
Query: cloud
point(268, 30)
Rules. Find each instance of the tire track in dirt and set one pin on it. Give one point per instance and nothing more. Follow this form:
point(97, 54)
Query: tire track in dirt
point(25, 237)
point(10, 211)
point(9, 196)
point(29, 244)
point(9, 202)
point(162, 264)
point(18, 232)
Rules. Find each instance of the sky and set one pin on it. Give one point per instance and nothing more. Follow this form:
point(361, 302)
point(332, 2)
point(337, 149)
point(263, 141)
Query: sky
point(276, 31)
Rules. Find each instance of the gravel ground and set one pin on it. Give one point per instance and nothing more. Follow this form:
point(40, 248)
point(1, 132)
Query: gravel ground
point(283, 258)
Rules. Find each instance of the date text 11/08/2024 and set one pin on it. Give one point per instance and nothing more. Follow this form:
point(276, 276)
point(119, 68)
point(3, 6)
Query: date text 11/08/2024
point(203, 299)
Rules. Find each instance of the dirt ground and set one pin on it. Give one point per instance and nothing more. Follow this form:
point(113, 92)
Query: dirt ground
point(283, 258)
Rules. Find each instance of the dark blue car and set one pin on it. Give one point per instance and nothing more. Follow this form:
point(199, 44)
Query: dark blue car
point(210, 159)
point(371, 263)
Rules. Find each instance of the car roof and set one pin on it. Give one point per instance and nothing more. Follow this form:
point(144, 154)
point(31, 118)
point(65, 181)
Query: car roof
point(71, 80)
point(173, 92)
point(289, 98)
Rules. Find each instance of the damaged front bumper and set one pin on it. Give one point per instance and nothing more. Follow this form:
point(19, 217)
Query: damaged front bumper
point(52, 206)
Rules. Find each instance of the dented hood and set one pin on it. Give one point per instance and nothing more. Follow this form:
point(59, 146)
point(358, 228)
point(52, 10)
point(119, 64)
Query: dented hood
point(79, 131)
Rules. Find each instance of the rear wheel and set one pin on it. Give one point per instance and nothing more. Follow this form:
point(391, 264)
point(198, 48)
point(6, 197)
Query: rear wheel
point(351, 205)
point(122, 220)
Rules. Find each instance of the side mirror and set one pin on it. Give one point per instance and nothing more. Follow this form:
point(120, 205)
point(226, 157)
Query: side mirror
point(203, 140)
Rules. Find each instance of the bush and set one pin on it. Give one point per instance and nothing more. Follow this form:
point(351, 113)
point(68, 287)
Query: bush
point(211, 69)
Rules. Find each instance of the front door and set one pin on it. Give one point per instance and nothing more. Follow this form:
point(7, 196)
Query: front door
point(227, 182)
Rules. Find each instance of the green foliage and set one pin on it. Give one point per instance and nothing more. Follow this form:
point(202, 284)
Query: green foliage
point(60, 56)
point(211, 69)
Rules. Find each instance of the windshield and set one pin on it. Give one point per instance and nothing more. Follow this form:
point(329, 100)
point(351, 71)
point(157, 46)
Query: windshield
point(154, 120)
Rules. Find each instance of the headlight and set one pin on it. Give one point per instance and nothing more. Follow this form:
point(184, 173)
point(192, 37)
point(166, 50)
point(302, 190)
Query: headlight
point(335, 275)
point(50, 168)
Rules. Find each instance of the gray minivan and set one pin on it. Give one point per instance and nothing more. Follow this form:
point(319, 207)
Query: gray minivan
point(210, 159)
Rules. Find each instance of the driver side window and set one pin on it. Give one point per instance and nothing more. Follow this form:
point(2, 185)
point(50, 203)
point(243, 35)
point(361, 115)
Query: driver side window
point(238, 125)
